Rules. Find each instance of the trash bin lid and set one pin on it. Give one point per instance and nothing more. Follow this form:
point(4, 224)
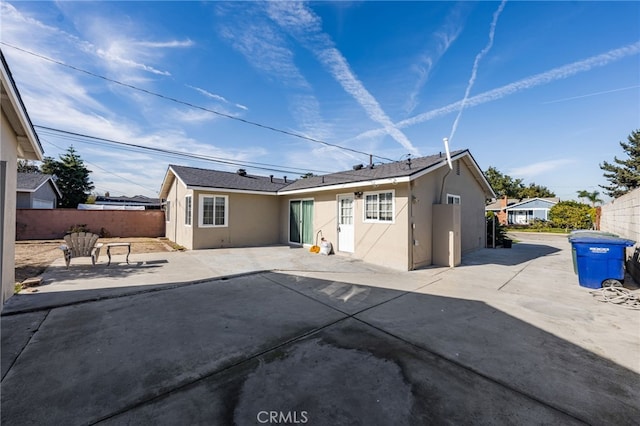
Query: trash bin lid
point(590, 233)
point(590, 239)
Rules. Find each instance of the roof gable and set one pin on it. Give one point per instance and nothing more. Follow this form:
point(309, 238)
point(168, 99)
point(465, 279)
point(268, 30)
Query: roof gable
point(31, 182)
point(397, 171)
point(533, 203)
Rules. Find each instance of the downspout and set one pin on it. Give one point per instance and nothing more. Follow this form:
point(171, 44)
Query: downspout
point(446, 148)
point(175, 215)
point(3, 175)
point(444, 178)
point(412, 229)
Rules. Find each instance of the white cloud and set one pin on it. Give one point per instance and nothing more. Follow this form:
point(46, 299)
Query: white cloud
point(305, 27)
point(540, 168)
point(444, 38)
point(217, 98)
point(266, 50)
point(546, 77)
point(476, 63)
point(59, 98)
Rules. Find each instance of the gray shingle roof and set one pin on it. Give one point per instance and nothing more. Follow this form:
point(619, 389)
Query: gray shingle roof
point(31, 181)
point(379, 171)
point(192, 176)
point(196, 177)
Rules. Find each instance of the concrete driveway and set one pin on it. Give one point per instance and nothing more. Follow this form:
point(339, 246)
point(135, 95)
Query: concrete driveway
point(202, 338)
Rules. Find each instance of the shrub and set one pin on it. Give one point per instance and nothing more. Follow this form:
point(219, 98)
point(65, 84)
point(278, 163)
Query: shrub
point(572, 215)
point(78, 228)
point(501, 230)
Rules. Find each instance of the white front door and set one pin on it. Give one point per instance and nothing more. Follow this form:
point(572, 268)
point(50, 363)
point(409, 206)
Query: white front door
point(345, 223)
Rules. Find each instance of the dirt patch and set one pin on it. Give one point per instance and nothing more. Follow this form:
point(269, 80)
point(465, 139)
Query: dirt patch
point(33, 257)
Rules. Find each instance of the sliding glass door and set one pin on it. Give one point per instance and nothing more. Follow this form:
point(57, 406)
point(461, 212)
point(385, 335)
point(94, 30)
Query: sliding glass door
point(301, 221)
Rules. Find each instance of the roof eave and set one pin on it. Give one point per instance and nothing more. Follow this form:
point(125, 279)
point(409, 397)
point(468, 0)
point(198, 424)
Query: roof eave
point(347, 185)
point(29, 146)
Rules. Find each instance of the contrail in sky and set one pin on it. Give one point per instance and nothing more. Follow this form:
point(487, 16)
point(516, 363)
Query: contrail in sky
point(592, 94)
point(540, 79)
point(476, 62)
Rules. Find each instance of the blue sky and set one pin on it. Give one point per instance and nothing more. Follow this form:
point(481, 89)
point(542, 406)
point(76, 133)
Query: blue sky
point(543, 91)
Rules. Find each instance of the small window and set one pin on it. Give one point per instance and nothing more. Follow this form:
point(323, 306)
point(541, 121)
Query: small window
point(167, 211)
point(378, 207)
point(453, 199)
point(188, 210)
point(213, 211)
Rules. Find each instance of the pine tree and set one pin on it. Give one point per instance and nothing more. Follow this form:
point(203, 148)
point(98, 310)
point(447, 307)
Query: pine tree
point(624, 175)
point(25, 166)
point(72, 177)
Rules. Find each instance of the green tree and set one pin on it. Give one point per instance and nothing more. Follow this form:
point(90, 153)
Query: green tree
point(534, 190)
point(26, 166)
point(572, 215)
point(72, 177)
point(505, 185)
point(624, 175)
point(593, 197)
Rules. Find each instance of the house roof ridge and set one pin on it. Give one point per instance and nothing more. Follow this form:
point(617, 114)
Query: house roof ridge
point(406, 168)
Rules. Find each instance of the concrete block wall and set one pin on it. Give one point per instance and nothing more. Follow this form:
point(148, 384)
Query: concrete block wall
point(622, 216)
point(43, 224)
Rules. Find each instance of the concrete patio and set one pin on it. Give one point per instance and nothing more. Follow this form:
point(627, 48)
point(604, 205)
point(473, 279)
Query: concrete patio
point(240, 336)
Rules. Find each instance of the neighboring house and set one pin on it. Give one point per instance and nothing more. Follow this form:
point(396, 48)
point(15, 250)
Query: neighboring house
point(37, 191)
point(388, 214)
point(513, 211)
point(18, 141)
point(135, 201)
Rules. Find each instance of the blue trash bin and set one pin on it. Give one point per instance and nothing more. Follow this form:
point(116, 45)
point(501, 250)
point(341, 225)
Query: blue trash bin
point(585, 233)
point(600, 259)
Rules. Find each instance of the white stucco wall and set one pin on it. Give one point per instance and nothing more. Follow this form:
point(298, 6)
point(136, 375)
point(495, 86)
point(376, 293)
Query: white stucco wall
point(622, 216)
point(8, 153)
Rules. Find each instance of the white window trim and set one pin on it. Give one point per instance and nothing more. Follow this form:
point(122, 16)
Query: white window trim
point(289, 217)
point(167, 211)
point(454, 196)
point(190, 215)
point(393, 207)
point(201, 198)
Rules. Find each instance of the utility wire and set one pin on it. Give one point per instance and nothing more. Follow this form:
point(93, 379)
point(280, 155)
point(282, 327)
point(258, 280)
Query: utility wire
point(148, 92)
point(103, 169)
point(262, 166)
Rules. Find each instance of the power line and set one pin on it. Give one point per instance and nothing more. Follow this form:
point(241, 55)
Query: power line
point(125, 145)
point(105, 170)
point(148, 92)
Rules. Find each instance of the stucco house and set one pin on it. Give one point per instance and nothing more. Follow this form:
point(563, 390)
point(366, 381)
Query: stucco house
point(36, 191)
point(403, 215)
point(514, 211)
point(18, 140)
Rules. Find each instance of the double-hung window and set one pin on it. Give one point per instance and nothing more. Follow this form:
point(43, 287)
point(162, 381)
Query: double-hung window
point(378, 207)
point(213, 211)
point(453, 199)
point(188, 210)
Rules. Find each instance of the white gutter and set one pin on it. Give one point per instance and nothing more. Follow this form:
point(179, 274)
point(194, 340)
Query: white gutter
point(349, 185)
point(234, 191)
